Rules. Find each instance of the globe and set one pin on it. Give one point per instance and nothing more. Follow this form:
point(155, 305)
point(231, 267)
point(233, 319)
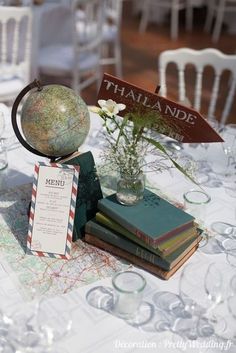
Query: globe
point(54, 120)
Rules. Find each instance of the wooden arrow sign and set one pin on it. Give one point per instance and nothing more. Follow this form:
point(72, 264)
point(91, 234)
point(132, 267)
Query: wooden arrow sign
point(180, 122)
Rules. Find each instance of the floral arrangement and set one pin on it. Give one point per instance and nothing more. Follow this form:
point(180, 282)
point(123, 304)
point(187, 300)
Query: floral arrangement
point(130, 140)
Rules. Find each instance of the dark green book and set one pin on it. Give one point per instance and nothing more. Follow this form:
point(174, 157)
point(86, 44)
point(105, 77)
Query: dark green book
point(111, 237)
point(153, 219)
point(89, 191)
point(165, 248)
point(147, 266)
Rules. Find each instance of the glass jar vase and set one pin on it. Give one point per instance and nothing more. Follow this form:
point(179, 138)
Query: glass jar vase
point(130, 189)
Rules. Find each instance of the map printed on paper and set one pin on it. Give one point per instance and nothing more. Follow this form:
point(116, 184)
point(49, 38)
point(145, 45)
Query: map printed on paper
point(46, 276)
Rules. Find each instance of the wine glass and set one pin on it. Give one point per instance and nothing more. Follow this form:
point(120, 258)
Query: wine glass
point(231, 305)
point(22, 331)
point(213, 284)
point(229, 146)
point(221, 156)
point(191, 291)
point(216, 285)
point(228, 133)
point(216, 125)
point(53, 320)
point(201, 297)
point(39, 325)
point(195, 302)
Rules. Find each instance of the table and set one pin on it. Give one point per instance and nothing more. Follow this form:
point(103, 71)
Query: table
point(94, 329)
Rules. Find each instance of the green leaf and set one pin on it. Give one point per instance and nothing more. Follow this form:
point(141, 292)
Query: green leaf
point(159, 146)
point(124, 123)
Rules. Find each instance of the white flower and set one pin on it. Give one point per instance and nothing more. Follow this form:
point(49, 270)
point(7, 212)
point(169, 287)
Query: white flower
point(110, 107)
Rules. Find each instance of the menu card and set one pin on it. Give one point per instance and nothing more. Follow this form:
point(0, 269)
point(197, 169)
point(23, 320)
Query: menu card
point(52, 210)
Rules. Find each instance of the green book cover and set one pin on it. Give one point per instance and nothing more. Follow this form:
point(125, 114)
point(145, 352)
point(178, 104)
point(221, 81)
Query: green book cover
point(163, 249)
point(89, 191)
point(153, 219)
point(111, 237)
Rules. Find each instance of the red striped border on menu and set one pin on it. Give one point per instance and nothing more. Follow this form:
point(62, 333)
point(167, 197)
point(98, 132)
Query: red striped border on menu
point(74, 191)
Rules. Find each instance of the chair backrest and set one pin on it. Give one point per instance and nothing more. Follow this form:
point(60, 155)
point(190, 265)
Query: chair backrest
point(90, 18)
point(113, 11)
point(76, 23)
point(75, 31)
point(200, 59)
point(15, 42)
point(89, 36)
point(150, 10)
point(56, 26)
point(217, 9)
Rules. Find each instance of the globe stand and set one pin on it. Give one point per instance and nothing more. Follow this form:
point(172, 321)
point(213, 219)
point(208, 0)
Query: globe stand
point(89, 186)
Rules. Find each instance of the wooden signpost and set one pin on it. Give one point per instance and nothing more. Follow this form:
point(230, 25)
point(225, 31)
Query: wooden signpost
point(180, 122)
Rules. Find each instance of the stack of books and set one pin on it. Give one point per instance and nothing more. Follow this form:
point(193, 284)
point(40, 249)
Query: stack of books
point(154, 234)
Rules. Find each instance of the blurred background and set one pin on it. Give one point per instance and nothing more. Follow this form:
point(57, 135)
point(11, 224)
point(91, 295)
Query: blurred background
point(133, 35)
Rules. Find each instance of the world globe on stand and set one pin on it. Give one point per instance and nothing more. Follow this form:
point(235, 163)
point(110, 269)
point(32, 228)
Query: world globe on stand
point(54, 120)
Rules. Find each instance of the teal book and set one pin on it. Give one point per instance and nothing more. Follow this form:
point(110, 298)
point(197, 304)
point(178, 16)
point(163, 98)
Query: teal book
point(163, 249)
point(89, 191)
point(115, 239)
point(153, 219)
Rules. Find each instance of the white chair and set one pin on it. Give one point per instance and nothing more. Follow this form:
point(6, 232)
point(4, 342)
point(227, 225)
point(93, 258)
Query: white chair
point(15, 46)
point(69, 50)
point(111, 54)
point(200, 59)
point(16, 2)
point(174, 6)
point(217, 9)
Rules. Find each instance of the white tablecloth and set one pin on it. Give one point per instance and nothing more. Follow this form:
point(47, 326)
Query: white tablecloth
point(93, 329)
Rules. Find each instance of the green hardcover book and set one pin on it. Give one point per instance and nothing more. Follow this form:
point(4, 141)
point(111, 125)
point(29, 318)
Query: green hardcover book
point(109, 236)
point(89, 191)
point(156, 270)
point(153, 219)
point(163, 249)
